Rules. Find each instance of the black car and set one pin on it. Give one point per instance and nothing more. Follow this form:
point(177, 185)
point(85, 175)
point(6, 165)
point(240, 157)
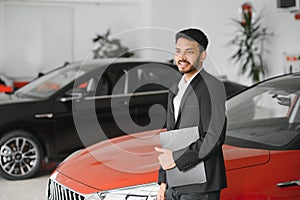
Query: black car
point(80, 104)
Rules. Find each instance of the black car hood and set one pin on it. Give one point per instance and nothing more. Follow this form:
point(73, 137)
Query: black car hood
point(6, 99)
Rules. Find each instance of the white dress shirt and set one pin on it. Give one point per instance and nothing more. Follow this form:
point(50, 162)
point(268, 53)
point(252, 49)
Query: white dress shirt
point(182, 86)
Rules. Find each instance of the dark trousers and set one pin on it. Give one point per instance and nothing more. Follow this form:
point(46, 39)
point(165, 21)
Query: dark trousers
point(172, 194)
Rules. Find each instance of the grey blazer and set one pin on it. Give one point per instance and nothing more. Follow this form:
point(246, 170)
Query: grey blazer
point(202, 105)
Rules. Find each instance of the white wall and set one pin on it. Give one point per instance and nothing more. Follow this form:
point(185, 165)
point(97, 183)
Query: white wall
point(1, 37)
point(149, 26)
point(42, 35)
point(35, 36)
point(214, 17)
point(92, 19)
point(167, 18)
point(286, 37)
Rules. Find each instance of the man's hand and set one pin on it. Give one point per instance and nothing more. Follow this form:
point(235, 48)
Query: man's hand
point(165, 158)
point(161, 195)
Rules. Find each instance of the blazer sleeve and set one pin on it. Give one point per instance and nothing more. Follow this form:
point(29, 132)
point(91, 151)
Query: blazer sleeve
point(162, 178)
point(211, 127)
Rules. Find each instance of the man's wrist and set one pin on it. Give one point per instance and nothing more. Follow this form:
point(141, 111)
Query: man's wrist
point(172, 165)
point(163, 186)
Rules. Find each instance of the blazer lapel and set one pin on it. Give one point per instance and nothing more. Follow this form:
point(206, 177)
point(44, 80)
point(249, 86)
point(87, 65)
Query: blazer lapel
point(170, 109)
point(189, 89)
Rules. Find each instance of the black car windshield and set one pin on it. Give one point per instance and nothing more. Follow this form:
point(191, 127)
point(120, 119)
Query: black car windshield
point(50, 83)
point(264, 117)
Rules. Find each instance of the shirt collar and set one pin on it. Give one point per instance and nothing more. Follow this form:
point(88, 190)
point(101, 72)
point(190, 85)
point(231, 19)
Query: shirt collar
point(183, 82)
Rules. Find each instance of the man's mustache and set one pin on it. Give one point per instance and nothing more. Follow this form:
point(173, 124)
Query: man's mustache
point(183, 61)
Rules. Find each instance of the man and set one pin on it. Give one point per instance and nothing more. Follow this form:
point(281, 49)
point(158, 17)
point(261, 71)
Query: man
point(198, 101)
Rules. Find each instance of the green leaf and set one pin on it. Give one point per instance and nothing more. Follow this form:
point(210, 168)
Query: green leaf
point(249, 39)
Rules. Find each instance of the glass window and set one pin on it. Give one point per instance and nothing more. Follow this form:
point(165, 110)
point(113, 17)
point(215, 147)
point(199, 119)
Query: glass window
point(152, 77)
point(112, 81)
point(104, 86)
point(116, 79)
point(48, 84)
point(264, 117)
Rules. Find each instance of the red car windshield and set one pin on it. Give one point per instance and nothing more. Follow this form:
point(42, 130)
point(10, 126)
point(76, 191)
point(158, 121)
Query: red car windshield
point(264, 117)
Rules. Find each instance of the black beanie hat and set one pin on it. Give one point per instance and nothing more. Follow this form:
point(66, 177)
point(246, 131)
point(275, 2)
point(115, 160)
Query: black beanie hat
point(193, 34)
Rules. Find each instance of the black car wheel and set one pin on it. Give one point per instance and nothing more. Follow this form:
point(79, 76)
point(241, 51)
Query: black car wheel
point(20, 155)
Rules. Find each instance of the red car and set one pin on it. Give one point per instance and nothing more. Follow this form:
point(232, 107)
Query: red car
point(4, 88)
point(5, 84)
point(262, 153)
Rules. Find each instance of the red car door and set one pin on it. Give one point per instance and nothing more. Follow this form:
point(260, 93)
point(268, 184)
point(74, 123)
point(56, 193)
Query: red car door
point(285, 179)
point(264, 131)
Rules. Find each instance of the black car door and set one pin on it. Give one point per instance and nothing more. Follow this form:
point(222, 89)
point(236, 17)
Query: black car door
point(110, 103)
point(93, 109)
point(114, 102)
point(149, 85)
point(68, 106)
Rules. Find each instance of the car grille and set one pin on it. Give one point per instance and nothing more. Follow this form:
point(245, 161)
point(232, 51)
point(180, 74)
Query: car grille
point(58, 192)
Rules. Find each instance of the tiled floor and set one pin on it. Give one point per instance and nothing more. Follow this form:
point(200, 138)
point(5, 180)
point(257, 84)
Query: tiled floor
point(30, 189)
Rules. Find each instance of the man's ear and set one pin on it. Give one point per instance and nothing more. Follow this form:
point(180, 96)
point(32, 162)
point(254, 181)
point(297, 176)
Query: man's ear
point(203, 56)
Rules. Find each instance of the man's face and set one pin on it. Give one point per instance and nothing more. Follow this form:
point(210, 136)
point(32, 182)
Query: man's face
point(188, 57)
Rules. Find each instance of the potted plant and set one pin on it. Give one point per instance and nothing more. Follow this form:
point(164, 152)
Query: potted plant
point(249, 39)
point(105, 47)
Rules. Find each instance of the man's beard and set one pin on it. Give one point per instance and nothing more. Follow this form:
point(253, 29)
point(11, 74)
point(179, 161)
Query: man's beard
point(192, 67)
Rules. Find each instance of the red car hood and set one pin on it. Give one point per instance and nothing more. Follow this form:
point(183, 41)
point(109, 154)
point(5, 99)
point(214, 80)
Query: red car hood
point(132, 160)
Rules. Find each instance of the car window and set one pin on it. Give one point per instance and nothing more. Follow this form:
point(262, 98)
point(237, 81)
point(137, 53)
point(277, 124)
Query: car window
point(117, 79)
point(136, 77)
point(104, 86)
point(99, 83)
point(128, 78)
point(264, 117)
point(47, 85)
point(152, 77)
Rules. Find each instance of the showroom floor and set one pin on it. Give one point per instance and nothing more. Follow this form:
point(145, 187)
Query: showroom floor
point(30, 189)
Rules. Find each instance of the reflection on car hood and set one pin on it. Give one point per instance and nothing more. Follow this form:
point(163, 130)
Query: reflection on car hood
point(132, 160)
